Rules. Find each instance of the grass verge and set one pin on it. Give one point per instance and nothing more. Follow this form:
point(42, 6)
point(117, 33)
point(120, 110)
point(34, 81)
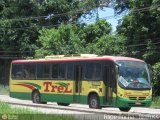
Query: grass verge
point(156, 102)
point(6, 111)
point(4, 90)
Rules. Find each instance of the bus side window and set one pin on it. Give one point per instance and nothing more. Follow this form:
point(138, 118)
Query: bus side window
point(62, 71)
point(19, 75)
point(25, 74)
point(17, 72)
point(55, 71)
point(70, 68)
point(59, 71)
point(43, 71)
point(30, 70)
point(93, 71)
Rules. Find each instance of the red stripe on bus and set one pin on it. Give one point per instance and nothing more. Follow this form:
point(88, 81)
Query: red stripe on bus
point(25, 85)
point(110, 58)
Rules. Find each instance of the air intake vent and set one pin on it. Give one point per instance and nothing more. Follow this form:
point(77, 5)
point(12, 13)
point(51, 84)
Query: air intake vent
point(137, 98)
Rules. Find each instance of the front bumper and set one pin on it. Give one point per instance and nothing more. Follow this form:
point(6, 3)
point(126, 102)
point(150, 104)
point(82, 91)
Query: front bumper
point(125, 102)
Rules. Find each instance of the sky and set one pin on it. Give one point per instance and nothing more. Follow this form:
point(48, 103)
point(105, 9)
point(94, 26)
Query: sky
point(105, 13)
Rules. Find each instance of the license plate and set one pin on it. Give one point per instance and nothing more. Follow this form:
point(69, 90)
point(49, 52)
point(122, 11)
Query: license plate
point(137, 103)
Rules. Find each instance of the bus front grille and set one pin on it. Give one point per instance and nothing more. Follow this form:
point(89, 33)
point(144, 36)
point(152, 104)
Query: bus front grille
point(137, 98)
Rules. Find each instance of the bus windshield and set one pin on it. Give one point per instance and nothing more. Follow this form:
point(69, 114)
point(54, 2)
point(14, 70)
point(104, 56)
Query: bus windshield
point(133, 75)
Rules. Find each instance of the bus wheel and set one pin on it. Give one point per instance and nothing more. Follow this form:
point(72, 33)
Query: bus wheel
point(36, 97)
point(44, 102)
point(124, 109)
point(94, 101)
point(63, 104)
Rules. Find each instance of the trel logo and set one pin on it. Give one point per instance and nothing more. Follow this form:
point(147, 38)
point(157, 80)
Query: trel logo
point(58, 87)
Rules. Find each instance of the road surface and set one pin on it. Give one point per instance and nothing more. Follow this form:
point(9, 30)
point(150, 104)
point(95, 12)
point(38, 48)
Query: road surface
point(83, 111)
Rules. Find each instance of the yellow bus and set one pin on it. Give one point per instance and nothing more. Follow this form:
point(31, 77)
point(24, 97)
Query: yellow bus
point(98, 81)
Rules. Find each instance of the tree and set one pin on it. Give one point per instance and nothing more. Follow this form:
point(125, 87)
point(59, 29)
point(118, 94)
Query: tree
point(65, 11)
point(73, 39)
point(141, 28)
point(96, 30)
point(156, 79)
point(22, 19)
point(107, 45)
point(121, 5)
point(18, 33)
point(100, 41)
point(64, 40)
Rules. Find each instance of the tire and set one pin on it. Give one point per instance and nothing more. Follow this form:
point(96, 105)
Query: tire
point(36, 97)
point(124, 109)
point(63, 104)
point(43, 102)
point(94, 101)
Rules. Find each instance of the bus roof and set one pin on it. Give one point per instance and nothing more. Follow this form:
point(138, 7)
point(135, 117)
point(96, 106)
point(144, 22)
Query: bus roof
point(76, 59)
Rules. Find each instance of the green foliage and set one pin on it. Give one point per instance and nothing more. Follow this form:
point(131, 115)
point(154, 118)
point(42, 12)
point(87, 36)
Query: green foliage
point(73, 39)
point(20, 21)
point(108, 45)
point(121, 6)
point(148, 55)
point(99, 40)
point(18, 34)
point(141, 29)
point(95, 31)
point(65, 11)
point(64, 40)
point(156, 79)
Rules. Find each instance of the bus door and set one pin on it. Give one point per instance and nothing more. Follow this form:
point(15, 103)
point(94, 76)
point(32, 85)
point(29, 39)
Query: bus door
point(78, 83)
point(110, 82)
